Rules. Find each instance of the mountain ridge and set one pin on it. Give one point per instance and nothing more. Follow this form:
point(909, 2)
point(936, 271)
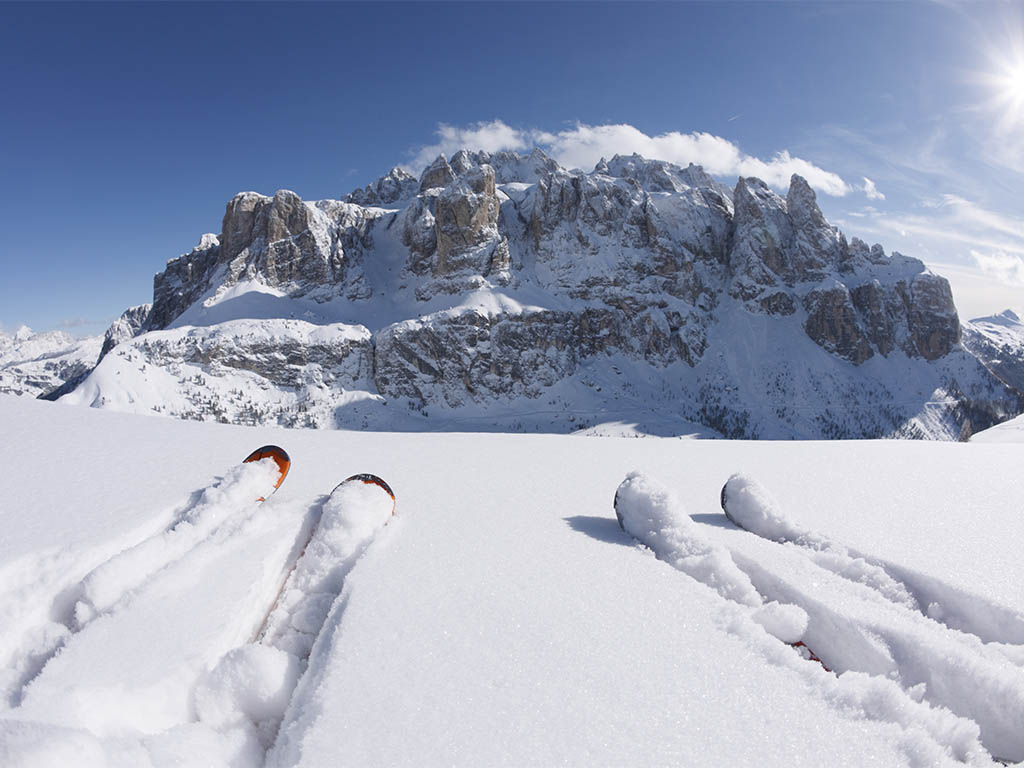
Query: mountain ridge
point(498, 282)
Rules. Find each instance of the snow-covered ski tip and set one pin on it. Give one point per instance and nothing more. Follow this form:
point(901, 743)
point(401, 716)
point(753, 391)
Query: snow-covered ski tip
point(356, 509)
point(276, 454)
point(652, 514)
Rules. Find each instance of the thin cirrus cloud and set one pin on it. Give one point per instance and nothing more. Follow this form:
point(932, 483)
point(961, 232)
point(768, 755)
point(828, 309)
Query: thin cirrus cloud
point(871, 191)
point(951, 229)
point(582, 146)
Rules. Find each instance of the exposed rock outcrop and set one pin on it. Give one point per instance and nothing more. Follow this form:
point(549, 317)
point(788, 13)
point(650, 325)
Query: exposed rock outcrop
point(130, 324)
point(397, 185)
point(499, 278)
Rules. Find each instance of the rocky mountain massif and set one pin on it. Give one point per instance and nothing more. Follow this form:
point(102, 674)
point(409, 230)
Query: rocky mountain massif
point(501, 291)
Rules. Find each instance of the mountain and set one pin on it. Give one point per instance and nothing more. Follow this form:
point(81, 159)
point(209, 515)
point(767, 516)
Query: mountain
point(38, 364)
point(502, 291)
point(998, 341)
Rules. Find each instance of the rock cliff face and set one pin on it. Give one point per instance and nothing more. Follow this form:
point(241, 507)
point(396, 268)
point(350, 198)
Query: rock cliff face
point(497, 283)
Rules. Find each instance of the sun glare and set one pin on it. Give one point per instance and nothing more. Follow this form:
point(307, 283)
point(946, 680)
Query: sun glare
point(1005, 84)
point(1000, 77)
point(1013, 84)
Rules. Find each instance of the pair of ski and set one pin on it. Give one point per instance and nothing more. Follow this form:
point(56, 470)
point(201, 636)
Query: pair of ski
point(356, 508)
point(653, 515)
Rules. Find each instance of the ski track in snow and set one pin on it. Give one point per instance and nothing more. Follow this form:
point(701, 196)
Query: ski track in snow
point(961, 652)
point(239, 694)
point(253, 686)
point(217, 511)
point(757, 511)
point(111, 584)
point(861, 615)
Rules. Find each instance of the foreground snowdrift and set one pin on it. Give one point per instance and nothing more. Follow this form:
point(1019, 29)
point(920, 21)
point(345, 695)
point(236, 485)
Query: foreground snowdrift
point(503, 617)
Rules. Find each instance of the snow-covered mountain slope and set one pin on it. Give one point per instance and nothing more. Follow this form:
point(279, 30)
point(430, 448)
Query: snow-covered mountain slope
point(502, 286)
point(36, 364)
point(502, 617)
point(998, 341)
point(1011, 431)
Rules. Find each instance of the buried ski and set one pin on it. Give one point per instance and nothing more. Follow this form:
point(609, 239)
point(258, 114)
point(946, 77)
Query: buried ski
point(225, 503)
point(349, 519)
point(654, 516)
point(280, 458)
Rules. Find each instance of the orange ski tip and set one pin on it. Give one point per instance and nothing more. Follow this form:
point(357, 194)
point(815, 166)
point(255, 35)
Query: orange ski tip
point(280, 457)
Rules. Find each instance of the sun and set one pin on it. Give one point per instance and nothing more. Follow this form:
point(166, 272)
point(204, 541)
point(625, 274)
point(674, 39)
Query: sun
point(1011, 84)
point(1004, 83)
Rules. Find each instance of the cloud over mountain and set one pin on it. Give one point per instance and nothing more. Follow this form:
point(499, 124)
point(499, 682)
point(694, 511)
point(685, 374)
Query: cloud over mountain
point(582, 146)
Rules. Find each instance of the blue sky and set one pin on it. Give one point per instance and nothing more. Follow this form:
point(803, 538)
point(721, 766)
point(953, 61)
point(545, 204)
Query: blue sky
point(128, 127)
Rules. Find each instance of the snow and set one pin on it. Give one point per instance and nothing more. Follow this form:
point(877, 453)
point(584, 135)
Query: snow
point(1011, 431)
point(652, 514)
point(35, 364)
point(749, 504)
point(502, 617)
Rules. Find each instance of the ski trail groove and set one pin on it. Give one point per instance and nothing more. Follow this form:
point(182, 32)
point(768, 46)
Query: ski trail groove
point(879, 668)
point(291, 645)
point(214, 511)
point(855, 625)
point(754, 509)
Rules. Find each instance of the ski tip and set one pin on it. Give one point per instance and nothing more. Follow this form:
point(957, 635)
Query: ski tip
point(369, 479)
point(808, 654)
point(280, 457)
point(615, 506)
point(724, 501)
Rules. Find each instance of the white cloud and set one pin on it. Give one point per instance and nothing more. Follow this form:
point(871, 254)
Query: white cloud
point(1008, 268)
point(952, 221)
point(871, 191)
point(583, 145)
point(489, 137)
point(977, 293)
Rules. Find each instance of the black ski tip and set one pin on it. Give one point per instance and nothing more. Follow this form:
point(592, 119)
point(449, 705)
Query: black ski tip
point(615, 505)
point(368, 479)
point(724, 500)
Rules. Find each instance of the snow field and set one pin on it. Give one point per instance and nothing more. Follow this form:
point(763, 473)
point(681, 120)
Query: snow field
point(503, 618)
